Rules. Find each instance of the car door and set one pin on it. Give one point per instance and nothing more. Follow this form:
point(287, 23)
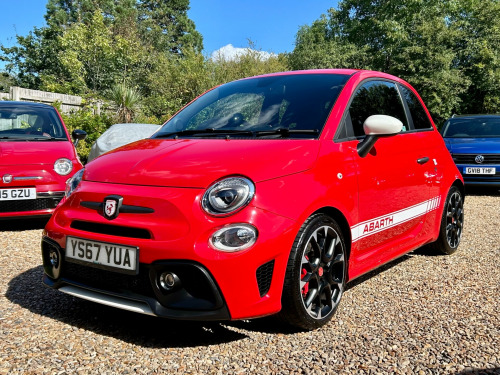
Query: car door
point(393, 185)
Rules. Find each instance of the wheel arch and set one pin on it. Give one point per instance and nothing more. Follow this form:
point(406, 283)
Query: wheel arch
point(460, 186)
point(339, 217)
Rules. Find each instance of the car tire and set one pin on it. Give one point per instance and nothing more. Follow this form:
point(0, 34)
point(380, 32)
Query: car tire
point(450, 230)
point(316, 274)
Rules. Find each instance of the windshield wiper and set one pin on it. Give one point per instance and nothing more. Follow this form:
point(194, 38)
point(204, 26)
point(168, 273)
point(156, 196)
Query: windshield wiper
point(205, 133)
point(47, 138)
point(285, 132)
point(14, 137)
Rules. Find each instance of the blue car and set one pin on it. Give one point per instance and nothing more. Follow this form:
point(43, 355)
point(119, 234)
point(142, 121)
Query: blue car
point(474, 143)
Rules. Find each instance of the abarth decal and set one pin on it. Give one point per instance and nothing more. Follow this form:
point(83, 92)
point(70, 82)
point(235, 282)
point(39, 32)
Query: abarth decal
point(381, 223)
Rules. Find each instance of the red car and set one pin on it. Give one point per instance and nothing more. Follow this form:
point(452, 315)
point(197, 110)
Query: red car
point(37, 158)
point(264, 195)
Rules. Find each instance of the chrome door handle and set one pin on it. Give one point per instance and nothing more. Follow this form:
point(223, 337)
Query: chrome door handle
point(423, 160)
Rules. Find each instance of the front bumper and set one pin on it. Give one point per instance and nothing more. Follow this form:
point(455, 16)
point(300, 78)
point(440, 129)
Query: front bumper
point(43, 205)
point(174, 238)
point(196, 297)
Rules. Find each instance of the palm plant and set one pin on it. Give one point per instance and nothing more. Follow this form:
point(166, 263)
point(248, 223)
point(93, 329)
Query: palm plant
point(127, 101)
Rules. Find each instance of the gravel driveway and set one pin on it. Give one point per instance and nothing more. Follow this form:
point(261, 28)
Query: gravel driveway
point(421, 314)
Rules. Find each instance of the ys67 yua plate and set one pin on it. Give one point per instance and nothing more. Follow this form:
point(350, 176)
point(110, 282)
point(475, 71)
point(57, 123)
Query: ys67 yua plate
point(110, 256)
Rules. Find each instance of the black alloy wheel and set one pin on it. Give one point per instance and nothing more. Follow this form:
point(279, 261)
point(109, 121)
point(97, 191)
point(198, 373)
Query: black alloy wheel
point(316, 274)
point(452, 223)
point(454, 219)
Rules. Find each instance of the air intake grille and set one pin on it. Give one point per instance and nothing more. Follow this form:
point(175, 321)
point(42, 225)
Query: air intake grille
point(113, 230)
point(111, 281)
point(29, 205)
point(470, 159)
point(264, 277)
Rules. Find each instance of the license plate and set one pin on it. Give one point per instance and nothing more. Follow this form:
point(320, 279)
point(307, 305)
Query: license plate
point(480, 170)
point(105, 255)
point(17, 194)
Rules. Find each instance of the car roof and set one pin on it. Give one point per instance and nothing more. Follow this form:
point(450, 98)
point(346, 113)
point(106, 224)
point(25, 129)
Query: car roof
point(8, 103)
point(347, 72)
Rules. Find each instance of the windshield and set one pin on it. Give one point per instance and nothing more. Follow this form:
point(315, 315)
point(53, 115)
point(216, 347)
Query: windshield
point(30, 123)
point(483, 127)
point(284, 106)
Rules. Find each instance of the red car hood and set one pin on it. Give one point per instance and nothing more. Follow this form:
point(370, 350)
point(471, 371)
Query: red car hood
point(199, 162)
point(26, 153)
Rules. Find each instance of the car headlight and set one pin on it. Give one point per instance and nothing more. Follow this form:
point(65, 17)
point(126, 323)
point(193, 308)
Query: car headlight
point(228, 196)
point(234, 237)
point(73, 182)
point(63, 166)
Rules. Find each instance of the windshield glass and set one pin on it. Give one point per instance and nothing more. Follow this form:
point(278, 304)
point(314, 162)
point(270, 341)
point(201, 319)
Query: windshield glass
point(472, 127)
point(284, 106)
point(24, 122)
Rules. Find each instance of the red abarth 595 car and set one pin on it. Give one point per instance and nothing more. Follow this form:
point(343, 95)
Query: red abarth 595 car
point(36, 159)
point(264, 195)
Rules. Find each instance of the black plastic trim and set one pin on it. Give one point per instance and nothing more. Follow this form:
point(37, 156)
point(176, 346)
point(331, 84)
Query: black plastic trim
point(197, 298)
point(125, 209)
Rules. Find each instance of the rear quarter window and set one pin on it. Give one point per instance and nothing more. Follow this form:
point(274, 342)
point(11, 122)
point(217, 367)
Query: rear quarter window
point(419, 116)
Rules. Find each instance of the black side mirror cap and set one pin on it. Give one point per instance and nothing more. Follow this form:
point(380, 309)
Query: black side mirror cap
point(78, 135)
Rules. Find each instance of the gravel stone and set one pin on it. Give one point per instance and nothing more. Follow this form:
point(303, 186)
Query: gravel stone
point(420, 314)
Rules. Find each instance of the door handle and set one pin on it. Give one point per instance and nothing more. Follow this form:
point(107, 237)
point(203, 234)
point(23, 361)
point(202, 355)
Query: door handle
point(423, 160)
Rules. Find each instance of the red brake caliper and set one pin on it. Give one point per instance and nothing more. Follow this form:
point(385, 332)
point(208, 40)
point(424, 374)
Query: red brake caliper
point(305, 288)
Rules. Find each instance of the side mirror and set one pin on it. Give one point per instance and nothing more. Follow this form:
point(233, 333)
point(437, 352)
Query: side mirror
point(78, 135)
point(377, 126)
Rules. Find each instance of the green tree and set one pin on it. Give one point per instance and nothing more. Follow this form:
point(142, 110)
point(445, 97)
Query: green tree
point(34, 53)
point(166, 26)
point(174, 81)
point(319, 47)
point(128, 36)
point(478, 53)
point(447, 50)
point(92, 59)
point(63, 13)
point(6, 81)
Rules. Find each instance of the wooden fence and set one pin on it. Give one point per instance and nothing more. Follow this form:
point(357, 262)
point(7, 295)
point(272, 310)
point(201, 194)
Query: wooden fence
point(69, 103)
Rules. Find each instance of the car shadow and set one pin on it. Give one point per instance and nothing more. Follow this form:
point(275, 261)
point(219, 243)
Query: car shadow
point(377, 271)
point(273, 325)
point(27, 291)
point(20, 225)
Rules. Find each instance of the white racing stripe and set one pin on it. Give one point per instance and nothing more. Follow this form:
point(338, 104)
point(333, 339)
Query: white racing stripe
point(381, 223)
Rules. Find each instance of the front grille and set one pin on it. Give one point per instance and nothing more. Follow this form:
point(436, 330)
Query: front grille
point(264, 277)
point(108, 280)
point(29, 205)
point(113, 230)
point(470, 159)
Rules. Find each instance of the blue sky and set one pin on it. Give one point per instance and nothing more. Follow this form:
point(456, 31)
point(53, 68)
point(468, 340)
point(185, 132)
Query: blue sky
point(270, 24)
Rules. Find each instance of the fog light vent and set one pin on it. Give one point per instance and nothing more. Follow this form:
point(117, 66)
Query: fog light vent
point(264, 277)
point(51, 256)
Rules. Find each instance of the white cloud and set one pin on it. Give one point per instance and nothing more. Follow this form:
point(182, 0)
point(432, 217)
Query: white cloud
point(230, 53)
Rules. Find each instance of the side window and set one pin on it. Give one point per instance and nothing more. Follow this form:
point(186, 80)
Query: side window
point(418, 114)
point(376, 98)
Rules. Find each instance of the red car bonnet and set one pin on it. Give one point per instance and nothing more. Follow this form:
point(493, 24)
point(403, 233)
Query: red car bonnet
point(43, 152)
point(199, 162)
